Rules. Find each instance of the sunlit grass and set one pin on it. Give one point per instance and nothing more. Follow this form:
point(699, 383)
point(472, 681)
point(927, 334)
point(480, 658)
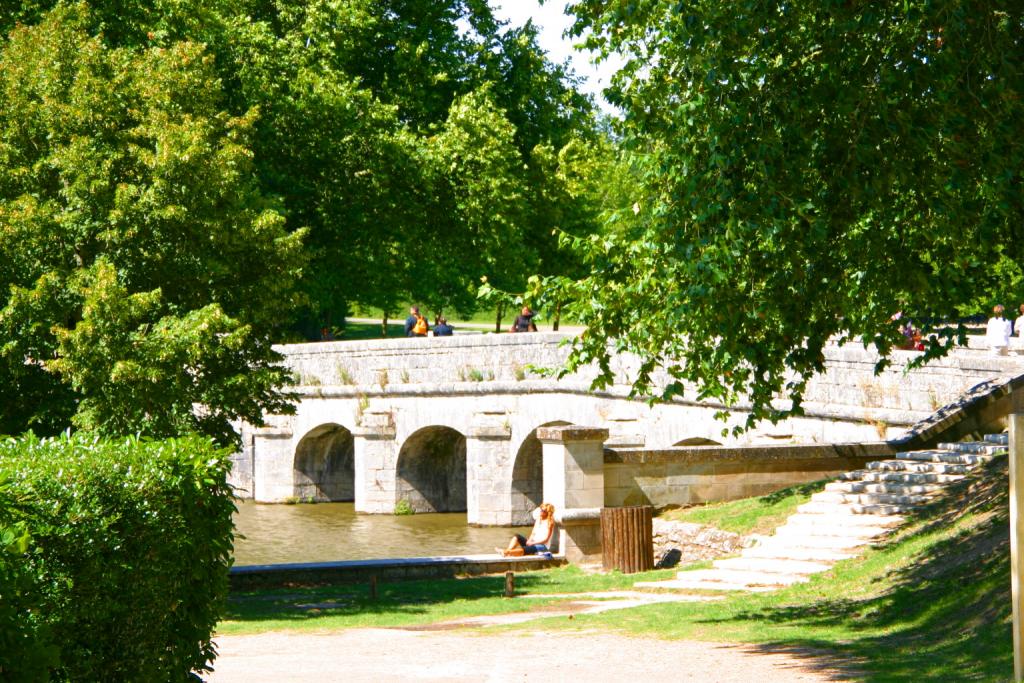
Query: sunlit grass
point(410, 603)
point(759, 515)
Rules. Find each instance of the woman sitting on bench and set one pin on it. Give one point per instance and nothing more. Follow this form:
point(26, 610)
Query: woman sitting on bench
point(540, 536)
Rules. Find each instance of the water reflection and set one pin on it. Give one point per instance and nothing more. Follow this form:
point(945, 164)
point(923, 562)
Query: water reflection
point(333, 531)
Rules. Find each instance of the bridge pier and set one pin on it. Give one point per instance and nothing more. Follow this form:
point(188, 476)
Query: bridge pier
point(488, 499)
point(574, 484)
point(272, 457)
point(376, 459)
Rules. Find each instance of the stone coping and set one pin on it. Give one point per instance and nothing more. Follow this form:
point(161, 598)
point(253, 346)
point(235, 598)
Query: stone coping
point(853, 351)
point(565, 433)
point(393, 569)
point(571, 516)
point(422, 343)
point(578, 388)
point(748, 453)
point(943, 422)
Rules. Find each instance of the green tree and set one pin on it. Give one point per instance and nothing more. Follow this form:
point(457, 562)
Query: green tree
point(142, 268)
point(807, 171)
point(339, 159)
point(353, 96)
point(476, 155)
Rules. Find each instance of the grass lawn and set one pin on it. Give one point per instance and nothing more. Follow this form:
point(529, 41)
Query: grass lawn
point(409, 603)
point(931, 604)
point(354, 330)
point(760, 515)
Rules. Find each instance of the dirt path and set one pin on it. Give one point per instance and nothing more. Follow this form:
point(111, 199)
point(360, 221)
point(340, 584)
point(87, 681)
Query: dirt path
point(404, 655)
point(459, 651)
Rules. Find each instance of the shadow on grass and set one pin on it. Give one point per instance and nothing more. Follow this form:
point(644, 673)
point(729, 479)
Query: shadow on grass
point(805, 489)
point(399, 598)
point(944, 615)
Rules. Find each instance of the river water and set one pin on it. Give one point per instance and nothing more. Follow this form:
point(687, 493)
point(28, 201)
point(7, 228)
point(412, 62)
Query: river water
point(323, 532)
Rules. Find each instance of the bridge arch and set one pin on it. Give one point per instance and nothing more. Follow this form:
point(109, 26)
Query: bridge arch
point(431, 470)
point(324, 465)
point(528, 476)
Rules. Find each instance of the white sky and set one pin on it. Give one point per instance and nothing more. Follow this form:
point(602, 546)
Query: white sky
point(552, 23)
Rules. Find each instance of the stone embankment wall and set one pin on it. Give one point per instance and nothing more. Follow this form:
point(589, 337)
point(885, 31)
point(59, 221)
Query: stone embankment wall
point(701, 474)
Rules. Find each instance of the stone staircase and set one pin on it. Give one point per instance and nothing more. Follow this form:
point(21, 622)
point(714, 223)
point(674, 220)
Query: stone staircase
point(856, 510)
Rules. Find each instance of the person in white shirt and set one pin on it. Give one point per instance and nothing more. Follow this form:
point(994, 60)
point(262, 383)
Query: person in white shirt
point(1018, 328)
point(540, 537)
point(997, 334)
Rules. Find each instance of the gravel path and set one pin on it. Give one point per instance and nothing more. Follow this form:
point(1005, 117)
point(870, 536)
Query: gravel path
point(404, 655)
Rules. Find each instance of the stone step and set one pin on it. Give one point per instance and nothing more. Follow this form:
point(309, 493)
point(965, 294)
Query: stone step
point(945, 456)
point(845, 537)
point(870, 498)
point(784, 551)
point(816, 507)
point(917, 466)
point(975, 447)
point(738, 577)
point(766, 566)
point(896, 488)
point(681, 585)
point(823, 522)
point(900, 477)
point(861, 506)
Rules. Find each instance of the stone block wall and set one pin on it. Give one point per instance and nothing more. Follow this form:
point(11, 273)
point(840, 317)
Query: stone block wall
point(848, 392)
point(430, 361)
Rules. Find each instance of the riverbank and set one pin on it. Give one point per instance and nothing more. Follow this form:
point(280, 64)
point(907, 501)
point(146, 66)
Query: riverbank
point(929, 604)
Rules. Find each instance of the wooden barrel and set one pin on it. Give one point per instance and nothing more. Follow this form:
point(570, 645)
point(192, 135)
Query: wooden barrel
point(626, 539)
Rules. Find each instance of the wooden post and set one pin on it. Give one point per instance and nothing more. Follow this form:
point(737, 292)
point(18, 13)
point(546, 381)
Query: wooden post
point(510, 584)
point(373, 587)
point(626, 538)
point(1017, 538)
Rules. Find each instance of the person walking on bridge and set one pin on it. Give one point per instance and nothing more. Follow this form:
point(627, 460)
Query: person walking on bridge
point(415, 324)
point(997, 333)
point(524, 321)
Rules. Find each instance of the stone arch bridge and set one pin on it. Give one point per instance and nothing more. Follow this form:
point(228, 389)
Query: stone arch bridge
point(450, 424)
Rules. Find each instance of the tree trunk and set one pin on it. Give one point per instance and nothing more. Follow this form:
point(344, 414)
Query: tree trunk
point(497, 321)
point(384, 326)
point(558, 316)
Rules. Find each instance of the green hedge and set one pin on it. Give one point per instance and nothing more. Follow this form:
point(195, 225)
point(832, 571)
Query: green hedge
point(26, 649)
point(121, 551)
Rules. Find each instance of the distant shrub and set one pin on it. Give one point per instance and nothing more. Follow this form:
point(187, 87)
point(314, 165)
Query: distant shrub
point(125, 563)
point(404, 507)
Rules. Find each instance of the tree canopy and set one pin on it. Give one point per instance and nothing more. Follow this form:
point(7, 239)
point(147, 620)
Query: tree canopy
point(142, 268)
point(805, 172)
point(182, 183)
point(399, 137)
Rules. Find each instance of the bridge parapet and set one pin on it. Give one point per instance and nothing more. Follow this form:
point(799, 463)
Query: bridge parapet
point(428, 360)
point(849, 390)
